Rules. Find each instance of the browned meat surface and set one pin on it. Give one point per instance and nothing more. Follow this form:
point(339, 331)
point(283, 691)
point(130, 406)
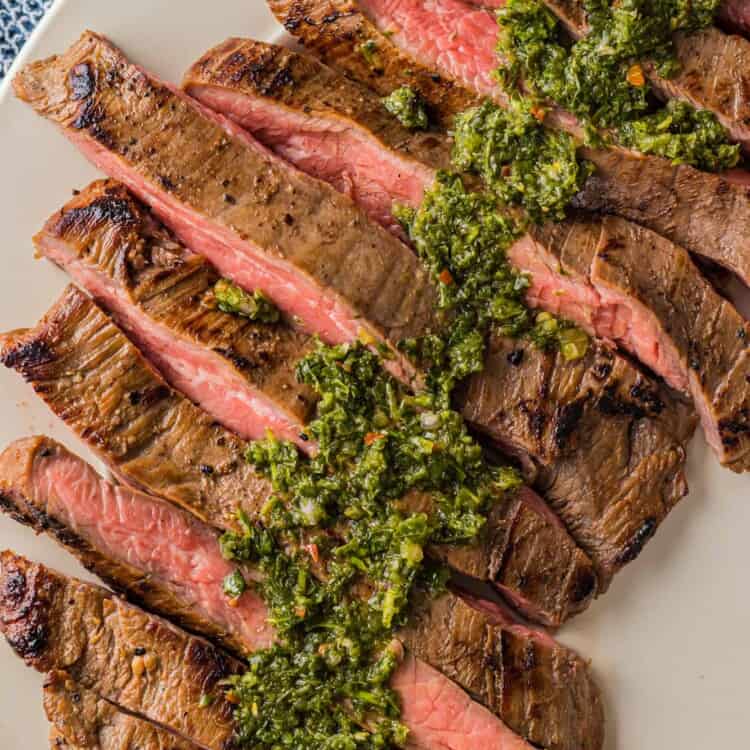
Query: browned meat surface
point(135, 660)
point(705, 213)
point(161, 294)
point(336, 30)
point(300, 81)
point(96, 381)
point(81, 720)
point(541, 689)
point(606, 442)
point(546, 411)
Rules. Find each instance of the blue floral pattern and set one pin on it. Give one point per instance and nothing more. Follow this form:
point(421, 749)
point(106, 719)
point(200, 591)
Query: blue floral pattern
point(17, 20)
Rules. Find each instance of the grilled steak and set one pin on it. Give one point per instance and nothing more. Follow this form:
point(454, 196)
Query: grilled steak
point(259, 221)
point(56, 623)
point(533, 404)
point(149, 550)
point(628, 284)
point(707, 214)
point(81, 720)
point(713, 72)
point(97, 382)
point(162, 295)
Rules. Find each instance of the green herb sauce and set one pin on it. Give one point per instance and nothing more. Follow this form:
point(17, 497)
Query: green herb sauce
point(519, 159)
point(462, 236)
point(341, 553)
point(408, 107)
point(232, 299)
point(599, 78)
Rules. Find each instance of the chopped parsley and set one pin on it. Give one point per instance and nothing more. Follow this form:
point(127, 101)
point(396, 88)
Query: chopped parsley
point(256, 306)
point(408, 107)
point(600, 79)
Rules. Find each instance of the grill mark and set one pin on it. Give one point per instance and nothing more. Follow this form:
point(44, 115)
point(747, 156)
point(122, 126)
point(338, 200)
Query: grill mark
point(638, 541)
point(28, 355)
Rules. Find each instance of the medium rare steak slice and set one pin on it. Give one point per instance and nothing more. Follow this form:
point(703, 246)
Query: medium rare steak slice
point(708, 214)
point(628, 284)
point(257, 219)
point(137, 661)
point(162, 296)
point(81, 720)
point(90, 375)
point(166, 561)
point(535, 405)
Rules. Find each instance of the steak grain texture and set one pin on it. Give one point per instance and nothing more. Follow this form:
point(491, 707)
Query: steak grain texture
point(57, 623)
point(161, 294)
point(708, 214)
point(535, 405)
point(542, 690)
point(81, 720)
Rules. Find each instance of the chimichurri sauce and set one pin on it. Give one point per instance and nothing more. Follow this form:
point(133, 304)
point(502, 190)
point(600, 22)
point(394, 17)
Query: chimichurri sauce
point(601, 80)
point(341, 552)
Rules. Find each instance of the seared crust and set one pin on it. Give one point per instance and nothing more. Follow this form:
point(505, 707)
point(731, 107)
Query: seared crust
point(56, 623)
point(88, 373)
point(335, 30)
point(606, 442)
point(107, 229)
point(81, 720)
point(531, 681)
point(301, 82)
point(24, 460)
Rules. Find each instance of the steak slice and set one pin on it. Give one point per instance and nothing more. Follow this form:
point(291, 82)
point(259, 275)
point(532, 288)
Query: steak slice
point(57, 623)
point(712, 75)
point(81, 720)
point(534, 405)
point(735, 14)
point(90, 375)
point(258, 220)
point(162, 295)
point(628, 284)
point(708, 214)
point(540, 689)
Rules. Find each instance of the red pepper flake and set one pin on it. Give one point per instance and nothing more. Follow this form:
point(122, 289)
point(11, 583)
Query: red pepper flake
point(505, 170)
point(445, 277)
point(313, 551)
point(373, 437)
point(538, 113)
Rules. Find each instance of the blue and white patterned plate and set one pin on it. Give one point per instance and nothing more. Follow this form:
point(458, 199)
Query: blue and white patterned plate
point(18, 18)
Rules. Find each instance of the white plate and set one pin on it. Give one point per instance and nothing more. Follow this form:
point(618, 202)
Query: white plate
point(669, 642)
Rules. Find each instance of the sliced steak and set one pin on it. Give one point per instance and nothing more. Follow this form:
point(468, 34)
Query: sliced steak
point(542, 690)
point(90, 375)
point(629, 285)
point(162, 295)
point(257, 219)
point(81, 720)
point(57, 623)
point(534, 405)
point(712, 75)
point(707, 214)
